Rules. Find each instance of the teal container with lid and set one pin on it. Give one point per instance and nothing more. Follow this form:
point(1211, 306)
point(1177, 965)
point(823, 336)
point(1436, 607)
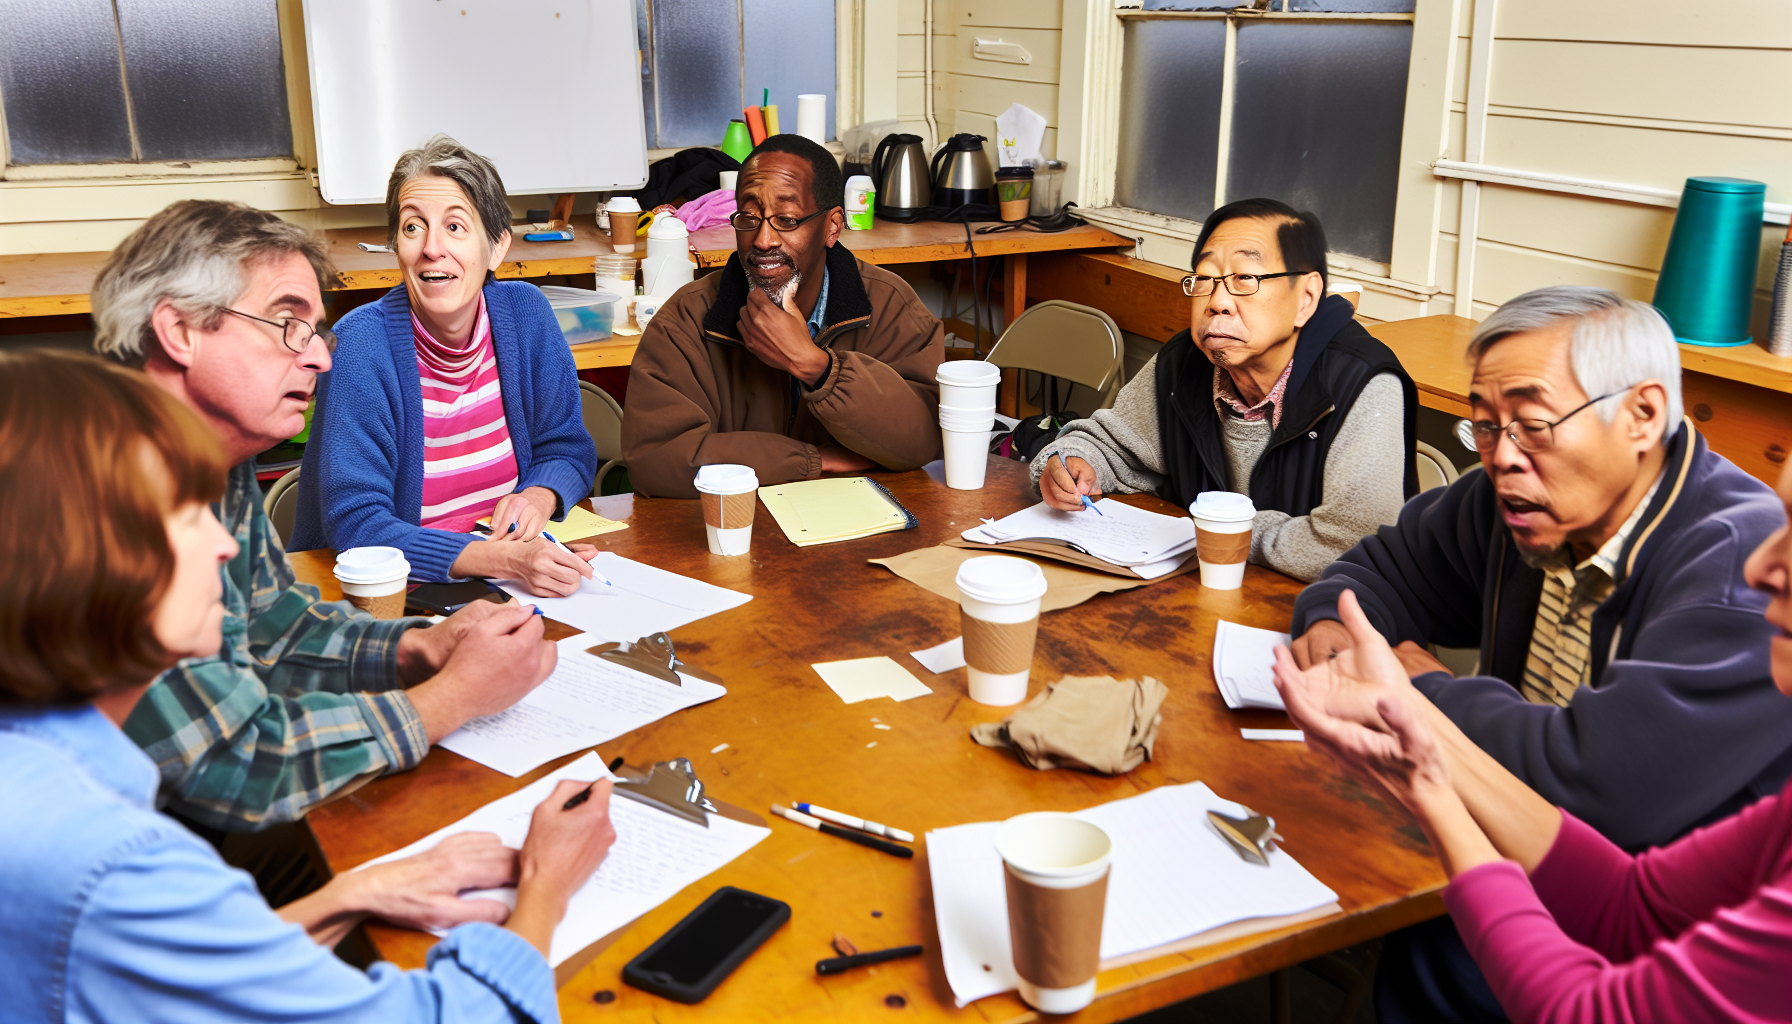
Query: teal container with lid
point(1707, 284)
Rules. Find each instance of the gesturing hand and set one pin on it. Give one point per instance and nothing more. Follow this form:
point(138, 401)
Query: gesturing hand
point(779, 338)
point(424, 891)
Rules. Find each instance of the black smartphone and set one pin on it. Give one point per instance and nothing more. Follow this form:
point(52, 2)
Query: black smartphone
point(448, 598)
point(688, 962)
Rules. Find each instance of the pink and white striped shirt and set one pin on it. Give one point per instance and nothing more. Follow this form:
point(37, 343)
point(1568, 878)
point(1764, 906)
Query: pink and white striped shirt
point(468, 463)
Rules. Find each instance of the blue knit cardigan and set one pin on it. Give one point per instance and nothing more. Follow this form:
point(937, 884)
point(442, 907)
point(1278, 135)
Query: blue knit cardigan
point(363, 471)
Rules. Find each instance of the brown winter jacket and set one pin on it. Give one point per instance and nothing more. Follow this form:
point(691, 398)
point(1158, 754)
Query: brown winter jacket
point(697, 396)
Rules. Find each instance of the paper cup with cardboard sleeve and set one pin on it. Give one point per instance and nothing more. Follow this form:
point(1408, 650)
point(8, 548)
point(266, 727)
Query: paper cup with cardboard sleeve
point(1222, 537)
point(998, 602)
point(1055, 867)
point(730, 496)
point(374, 580)
point(967, 414)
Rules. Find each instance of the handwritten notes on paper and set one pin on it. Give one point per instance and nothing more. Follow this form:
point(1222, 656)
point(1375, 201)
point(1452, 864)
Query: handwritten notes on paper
point(1121, 534)
point(642, 600)
point(585, 702)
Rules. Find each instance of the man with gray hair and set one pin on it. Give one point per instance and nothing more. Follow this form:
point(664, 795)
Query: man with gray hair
point(1597, 564)
point(219, 305)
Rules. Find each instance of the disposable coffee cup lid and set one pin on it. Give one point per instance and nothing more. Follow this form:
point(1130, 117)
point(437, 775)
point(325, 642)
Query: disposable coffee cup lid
point(1052, 844)
point(371, 565)
point(726, 478)
point(1222, 506)
point(624, 204)
point(1000, 579)
point(968, 373)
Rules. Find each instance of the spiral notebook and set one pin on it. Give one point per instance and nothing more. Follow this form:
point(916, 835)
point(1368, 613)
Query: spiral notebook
point(835, 509)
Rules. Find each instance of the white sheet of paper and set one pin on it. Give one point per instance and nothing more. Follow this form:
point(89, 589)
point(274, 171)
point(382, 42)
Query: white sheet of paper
point(655, 856)
point(642, 600)
point(586, 701)
point(1244, 659)
point(1121, 534)
point(867, 678)
point(1274, 735)
point(1172, 877)
point(943, 658)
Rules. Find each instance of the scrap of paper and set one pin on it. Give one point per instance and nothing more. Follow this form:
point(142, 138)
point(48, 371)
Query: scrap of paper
point(867, 678)
point(944, 658)
point(1275, 735)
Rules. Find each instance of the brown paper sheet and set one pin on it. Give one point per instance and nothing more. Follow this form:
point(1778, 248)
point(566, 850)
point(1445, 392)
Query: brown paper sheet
point(1056, 933)
point(729, 511)
point(998, 647)
point(936, 569)
point(1223, 548)
point(1060, 553)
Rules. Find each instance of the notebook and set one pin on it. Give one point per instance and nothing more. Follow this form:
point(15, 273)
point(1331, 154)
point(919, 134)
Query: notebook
point(835, 509)
point(580, 523)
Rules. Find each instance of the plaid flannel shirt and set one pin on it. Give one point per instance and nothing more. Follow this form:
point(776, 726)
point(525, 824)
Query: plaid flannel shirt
point(302, 697)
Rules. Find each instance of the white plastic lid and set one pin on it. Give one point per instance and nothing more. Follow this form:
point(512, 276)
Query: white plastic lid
point(968, 372)
point(1000, 579)
point(665, 225)
point(624, 204)
point(858, 181)
point(1222, 506)
point(726, 478)
point(371, 565)
point(562, 297)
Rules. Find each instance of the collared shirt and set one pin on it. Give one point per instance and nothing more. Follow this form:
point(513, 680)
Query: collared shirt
point(116, 914)
point(1562, 635)
point(817, 318)
point(1226, 399)
point(302, 698)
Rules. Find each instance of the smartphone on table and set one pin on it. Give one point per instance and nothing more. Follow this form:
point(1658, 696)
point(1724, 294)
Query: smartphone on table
point(689, 961)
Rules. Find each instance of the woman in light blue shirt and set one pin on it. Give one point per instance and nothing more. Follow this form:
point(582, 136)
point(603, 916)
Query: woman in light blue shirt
point(109, 573)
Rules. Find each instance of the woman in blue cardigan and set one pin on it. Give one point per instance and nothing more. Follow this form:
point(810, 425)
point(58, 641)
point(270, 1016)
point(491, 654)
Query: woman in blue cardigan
point(452, 398)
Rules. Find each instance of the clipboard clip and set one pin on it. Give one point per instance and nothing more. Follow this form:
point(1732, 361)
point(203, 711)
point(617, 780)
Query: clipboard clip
point(653, 655)
point(1251, 837)
point(671, 786)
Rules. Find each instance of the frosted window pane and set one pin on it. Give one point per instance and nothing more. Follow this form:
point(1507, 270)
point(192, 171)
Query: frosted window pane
point(644, 41)
point(1316, 123)
point(1170, 115)
point(207, 82)
point(59, 78)
point(790, 49)
point(696, 74)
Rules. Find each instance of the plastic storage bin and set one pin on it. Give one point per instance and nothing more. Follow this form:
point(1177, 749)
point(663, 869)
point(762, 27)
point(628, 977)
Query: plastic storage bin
point(584, 315)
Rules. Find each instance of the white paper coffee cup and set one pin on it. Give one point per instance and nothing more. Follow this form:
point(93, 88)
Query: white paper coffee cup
point(1055, 868)
point(730, 499)
point(967, 457)
point(373, 579)
point(1222, 537)
point(998, 601)
point(968, 383)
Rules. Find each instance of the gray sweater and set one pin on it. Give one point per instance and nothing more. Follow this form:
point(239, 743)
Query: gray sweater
point(1364, 470)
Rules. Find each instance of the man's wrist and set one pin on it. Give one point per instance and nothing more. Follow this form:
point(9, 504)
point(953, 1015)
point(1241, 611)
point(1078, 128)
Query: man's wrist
point(816, 374)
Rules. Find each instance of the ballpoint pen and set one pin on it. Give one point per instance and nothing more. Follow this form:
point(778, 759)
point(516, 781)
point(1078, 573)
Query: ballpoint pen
point(1086, 502)
point(596, 577)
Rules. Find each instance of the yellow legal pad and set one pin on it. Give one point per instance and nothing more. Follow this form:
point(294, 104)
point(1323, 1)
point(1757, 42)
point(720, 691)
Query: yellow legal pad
point(835, 509)
point(579, 525)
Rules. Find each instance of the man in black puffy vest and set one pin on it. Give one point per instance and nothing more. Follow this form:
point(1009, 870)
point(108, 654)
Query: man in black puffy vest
point(1274, 392)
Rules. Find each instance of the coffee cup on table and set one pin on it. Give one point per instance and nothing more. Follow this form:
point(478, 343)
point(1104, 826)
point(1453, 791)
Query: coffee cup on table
point(373, 579)
point(1222, 537)
point(625, 223)
point(999, 614)
point(730, 496)
point(1055, 867)
point(967, 414)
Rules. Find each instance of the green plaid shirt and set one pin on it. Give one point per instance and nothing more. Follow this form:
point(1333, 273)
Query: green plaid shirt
point(302, 698)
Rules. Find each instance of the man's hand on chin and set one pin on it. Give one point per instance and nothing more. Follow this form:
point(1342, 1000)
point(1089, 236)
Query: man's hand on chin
point(780, 338)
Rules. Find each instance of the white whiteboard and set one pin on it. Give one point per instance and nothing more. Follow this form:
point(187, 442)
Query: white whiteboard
point(549, 90)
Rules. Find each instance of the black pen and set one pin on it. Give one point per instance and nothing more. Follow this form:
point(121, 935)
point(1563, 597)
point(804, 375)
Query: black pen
point(844, 833)
point(584, 794)
point(841, 964)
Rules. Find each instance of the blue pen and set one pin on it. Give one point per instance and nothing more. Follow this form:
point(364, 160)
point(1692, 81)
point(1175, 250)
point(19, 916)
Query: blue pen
point(1086, 502)
point(596, 577)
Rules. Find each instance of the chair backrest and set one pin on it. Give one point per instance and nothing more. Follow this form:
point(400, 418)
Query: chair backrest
point(281, 503)
point(1064, 339)
point(603, 420)
point(1435, 468)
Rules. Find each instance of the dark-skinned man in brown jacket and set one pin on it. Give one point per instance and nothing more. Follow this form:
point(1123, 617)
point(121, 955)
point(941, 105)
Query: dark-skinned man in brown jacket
point(796, 359)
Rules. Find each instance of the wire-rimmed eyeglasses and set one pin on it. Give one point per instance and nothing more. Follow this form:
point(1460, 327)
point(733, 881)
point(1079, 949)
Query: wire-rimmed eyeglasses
point(295, 334)
point(1529, 434)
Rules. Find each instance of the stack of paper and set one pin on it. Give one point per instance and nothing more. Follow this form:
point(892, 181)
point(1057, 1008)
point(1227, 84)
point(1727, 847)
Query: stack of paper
point(1244, 660)
point(1172, 877)
point(866, 678)
point(835, 509)
point(641, 601)
point(587, 701)
point(1148, 543)
point(656, 855)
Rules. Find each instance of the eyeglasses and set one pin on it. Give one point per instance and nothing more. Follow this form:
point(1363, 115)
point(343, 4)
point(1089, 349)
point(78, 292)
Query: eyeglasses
point(747, 223)
point(1530, 435)
point(1198, 285)
point(295, 334)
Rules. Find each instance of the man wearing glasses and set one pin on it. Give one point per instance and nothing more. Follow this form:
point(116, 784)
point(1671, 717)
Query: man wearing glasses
point(1597, 564)
point(1274, 391)
point(796, 359)
point(219, 304)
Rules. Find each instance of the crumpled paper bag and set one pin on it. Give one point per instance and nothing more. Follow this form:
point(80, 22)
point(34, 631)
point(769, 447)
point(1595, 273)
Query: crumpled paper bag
point(1096, 723)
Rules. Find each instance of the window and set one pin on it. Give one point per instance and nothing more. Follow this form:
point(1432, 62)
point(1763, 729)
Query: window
point(706, 60)
point(1302, 103)
point(131, 81)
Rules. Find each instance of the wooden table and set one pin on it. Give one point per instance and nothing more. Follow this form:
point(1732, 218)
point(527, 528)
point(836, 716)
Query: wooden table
point(789, 737)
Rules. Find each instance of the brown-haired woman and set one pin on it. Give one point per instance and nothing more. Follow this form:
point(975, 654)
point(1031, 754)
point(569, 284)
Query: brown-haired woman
point(109, 558)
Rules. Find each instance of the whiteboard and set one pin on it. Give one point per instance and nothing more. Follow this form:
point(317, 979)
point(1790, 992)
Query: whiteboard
point(548, 90)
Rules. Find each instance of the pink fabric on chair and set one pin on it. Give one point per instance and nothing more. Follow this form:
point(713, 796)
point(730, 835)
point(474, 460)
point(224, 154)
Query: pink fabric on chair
point(708, 210)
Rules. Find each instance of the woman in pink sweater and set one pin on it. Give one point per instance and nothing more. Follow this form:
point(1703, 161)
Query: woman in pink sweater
point(1566, 926)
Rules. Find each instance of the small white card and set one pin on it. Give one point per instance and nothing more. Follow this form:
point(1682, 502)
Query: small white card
point(943, 658)
point(867, 678)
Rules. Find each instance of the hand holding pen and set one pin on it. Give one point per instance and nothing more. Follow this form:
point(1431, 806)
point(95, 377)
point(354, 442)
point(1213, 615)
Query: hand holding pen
point(1066, 487)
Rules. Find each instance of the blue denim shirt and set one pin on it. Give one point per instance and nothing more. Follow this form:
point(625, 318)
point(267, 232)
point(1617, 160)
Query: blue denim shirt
point(115, 913)
point(817, 319)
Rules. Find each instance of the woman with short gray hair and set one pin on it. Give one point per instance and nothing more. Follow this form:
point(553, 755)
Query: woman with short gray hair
point(453, 398)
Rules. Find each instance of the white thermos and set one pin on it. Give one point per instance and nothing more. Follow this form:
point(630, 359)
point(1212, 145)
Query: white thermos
point(668, 266)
